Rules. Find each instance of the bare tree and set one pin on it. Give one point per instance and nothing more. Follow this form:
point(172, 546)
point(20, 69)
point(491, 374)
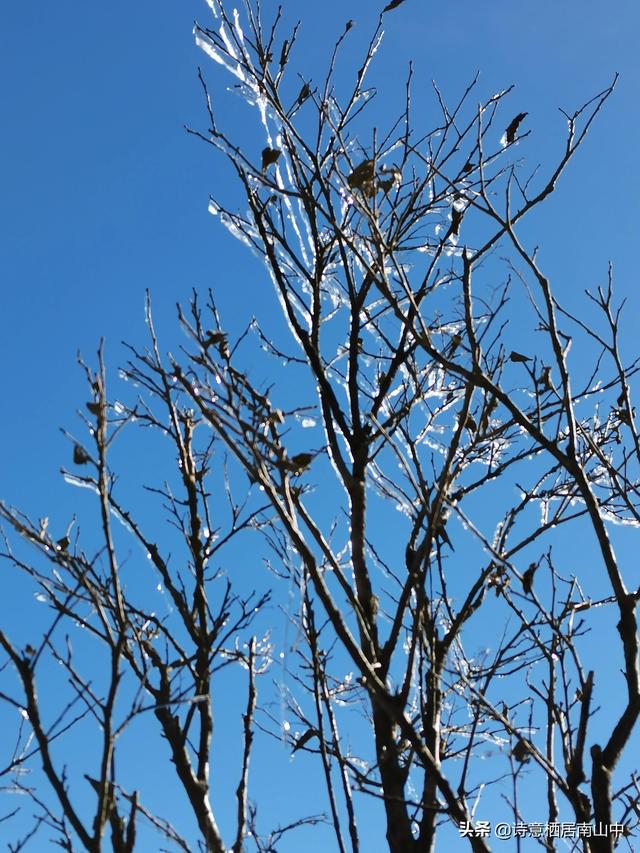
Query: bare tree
point(425, 533)
point(127, 649)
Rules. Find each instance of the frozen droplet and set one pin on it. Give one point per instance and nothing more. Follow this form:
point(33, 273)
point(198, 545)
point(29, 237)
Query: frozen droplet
point(307, 423)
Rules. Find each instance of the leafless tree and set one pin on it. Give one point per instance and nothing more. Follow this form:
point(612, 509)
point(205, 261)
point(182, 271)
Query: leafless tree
point(131, 648)
point(430, 533)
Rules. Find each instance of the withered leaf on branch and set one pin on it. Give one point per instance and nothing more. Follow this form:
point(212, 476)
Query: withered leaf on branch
point(269, 157)
point(302, 460)
point(439, 526)
point(471, 424)
point(527, 577)
point(522, 751)
point(455, 342)
point(217, 339)
point(80, 455)
point(456, 219)
point(305, 92)
point(298, 463)
point(545, 379)
point(284, 53)
point(393, 5)
point(389, 178)
point(361, 175)
point(512, 129)
point(625, 416)
point(498, 580)
point(518, 357)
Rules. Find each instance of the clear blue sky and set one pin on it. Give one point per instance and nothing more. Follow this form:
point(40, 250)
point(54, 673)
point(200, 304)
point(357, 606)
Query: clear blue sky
point(102, 193)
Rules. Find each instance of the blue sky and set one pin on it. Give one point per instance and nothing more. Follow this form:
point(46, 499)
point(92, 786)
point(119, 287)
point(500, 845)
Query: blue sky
point(104, 195)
